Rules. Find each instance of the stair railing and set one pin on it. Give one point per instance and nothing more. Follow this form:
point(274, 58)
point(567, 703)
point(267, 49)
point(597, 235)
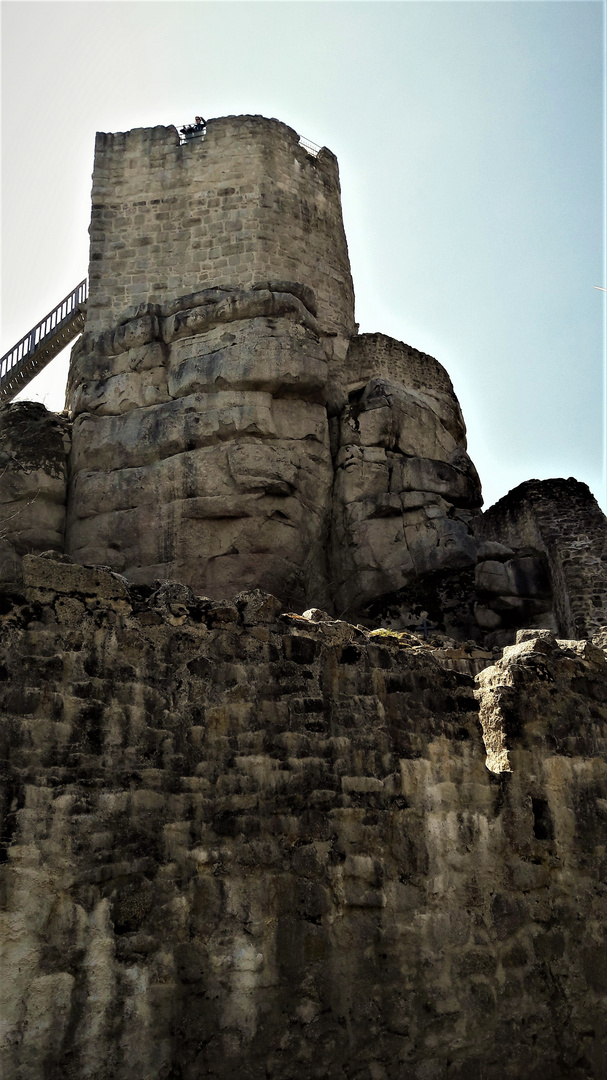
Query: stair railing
point(43, 332)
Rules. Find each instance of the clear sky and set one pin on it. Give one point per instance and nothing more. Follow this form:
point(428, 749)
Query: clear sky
point(470, 138)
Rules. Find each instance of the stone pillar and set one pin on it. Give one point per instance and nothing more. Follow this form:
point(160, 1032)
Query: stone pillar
point(406, 492)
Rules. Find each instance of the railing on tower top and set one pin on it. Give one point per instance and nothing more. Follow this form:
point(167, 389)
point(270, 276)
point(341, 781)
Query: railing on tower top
point(311, 147)
point(198, 131)
point(21, 363)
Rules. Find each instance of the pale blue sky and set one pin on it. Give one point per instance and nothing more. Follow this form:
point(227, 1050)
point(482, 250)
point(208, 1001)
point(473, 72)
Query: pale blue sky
point(470, 140)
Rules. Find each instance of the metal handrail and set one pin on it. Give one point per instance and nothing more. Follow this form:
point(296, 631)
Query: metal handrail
point(43, 331)
point(310, 146)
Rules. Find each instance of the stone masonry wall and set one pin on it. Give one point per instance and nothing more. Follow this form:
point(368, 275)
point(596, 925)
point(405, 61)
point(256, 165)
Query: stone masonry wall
point(562, 520)
point(242, 844)
point(372, 355)
point(244, 203)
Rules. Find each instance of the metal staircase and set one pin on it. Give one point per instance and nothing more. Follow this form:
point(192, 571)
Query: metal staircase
point(30, 355)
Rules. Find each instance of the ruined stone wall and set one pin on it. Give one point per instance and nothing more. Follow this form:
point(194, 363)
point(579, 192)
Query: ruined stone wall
point(372, 355)
point(562, 521)
point(243, 204)
point(243, 844)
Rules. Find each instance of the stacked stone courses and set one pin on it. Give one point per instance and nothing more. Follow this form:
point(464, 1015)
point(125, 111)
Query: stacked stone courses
point(372, 355)
point(244, 203)
point(240, 843)
point(562, 520)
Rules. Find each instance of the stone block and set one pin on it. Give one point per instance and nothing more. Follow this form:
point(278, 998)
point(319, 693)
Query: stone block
point(67, 578)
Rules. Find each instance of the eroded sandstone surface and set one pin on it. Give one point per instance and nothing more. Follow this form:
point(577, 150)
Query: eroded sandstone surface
point(231, 427)
point(406, 493)
point(215, 441)
point(34, 448)
point(201, 445)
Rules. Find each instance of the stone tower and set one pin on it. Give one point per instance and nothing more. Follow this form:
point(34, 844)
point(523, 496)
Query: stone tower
point(231, 428)
point(244, 204)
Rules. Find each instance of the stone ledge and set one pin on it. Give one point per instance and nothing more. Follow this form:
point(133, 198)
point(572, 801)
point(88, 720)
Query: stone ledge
point(49, 573)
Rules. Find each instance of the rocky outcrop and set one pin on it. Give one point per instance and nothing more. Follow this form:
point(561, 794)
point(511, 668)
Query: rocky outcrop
point(241, 843)
point(202, 451)
point(406, 493)
point(201, 444)
point(231, 428)
point(34, 447)
point(390, 525)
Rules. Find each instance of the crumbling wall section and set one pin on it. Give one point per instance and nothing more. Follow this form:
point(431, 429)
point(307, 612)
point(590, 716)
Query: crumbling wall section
point(378, 355)
point(561, 520)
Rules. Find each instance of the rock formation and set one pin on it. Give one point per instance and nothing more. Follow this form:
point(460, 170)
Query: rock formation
point(34, 448)
point(405, 491)
point(231, 428)
point(244, 434)
point(201, 445)
point(365, 842)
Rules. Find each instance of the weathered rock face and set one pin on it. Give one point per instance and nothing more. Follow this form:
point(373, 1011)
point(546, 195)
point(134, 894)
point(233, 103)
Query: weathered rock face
point(405, 489)
point(244, 434)
point(245, 844)
point(202, 451)
point(201, 445)
point(34, 447)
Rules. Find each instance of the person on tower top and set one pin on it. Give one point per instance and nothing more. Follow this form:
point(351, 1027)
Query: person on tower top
point(198, 125)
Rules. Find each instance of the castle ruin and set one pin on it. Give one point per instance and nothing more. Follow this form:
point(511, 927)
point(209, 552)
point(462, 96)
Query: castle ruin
point(303, 753)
